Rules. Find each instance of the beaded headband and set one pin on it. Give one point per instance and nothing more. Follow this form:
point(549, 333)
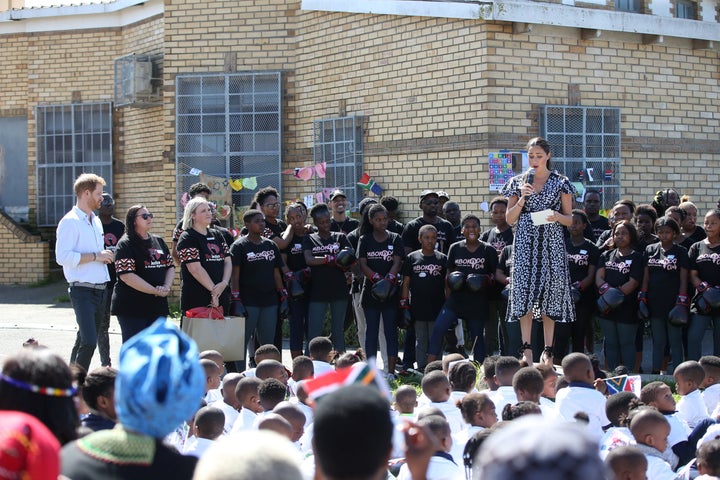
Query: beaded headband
point(49, 391)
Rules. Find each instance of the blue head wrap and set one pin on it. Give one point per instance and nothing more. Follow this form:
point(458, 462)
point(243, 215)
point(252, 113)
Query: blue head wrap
point(160, 381)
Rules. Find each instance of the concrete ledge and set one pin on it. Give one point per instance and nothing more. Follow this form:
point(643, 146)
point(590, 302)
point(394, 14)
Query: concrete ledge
point(17, 229)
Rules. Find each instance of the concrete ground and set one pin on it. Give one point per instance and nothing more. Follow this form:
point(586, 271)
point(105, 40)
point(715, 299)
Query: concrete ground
point(40, 313)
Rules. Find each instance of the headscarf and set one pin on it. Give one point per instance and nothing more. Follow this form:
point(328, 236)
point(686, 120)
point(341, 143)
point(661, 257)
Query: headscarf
point(27, 448)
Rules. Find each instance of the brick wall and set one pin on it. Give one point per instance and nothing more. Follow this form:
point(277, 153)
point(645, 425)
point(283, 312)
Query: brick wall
point(26, 258)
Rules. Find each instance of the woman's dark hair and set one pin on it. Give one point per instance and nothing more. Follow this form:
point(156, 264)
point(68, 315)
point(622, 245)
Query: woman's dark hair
point(198, 188)
point(43, 368)
point(391, 203)
point(583, 216)
point(365, 225)
point(295, 206)
point(542, 143)
point(511, 412)
point(632, 230)
point(715, 212)
point(262, 194)
point(348, 358)
point(628, 203)
point(675, 209)
point(319, 209)
point(648, 210)
point(130, 220)
point(660, 200)
point(667, 222)
point(98, 383)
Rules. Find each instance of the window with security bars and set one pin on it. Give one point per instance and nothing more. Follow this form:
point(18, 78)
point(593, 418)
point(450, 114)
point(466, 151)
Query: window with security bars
point(71, 140)
point(628, 5)
point(339, 143)
point(685, 9)
point(585, 143)
point(229, 126)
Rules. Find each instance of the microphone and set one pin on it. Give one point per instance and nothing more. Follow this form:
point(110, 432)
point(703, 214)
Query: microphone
point(530, 176)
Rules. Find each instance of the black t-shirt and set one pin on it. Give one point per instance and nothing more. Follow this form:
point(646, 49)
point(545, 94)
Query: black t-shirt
point(506, 260)
point(257, 262)
point(112, 232)
point(328, 281)
point(697, 235)
point(427, 283)
point(483, 260)
point(498, 240)
point(618, 270)
point(395, 226)
point(598, 227)
point(579, 260)
point(271, 231)
point(602, 239)
point(210, 250)
point(150, 262)
point(380, 257)
point(706, 261)
point(345, 227)
point(445, 234)
point(294, 255)
point(664, 276)
point(644, 242)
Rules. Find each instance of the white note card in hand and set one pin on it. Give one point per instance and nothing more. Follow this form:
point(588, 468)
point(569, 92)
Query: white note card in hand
point(540, 218)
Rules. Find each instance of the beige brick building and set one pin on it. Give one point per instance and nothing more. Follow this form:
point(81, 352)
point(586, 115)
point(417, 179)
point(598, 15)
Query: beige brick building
point(627, 92)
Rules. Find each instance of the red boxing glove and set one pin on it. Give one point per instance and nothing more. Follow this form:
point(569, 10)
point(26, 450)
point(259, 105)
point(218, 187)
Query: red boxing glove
point(579, 286)
point(392, 278)
point(329, 259)
point(289, 277)
point(702, 286)
point(235, 294)
point(603, 288)
point(682, 300)
point(376, 277)
point(404, 304)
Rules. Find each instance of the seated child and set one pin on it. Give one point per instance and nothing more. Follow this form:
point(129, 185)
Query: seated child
point(617, 409)
point(711, 383)
point(441, 464)
point(659, 395)
point(295, 417)
point(708, 460)
point(349, 359)
point(300, 400)
point(321, 349)
point(450, 359)
point(478, 411)
point(229, 403)
point(463, 376)
point(405, 402)
point(627, 462)
point(247, 395)
point(276, 423)
point(650, 430)
point(581, 395)
point(209, 424)
point(302, 369)
point(528, 385)
point(688, 378)
point(505, 369)
point(550, 378)
point(215, 356)
point(488, 370)
point(436, 387)
point(520, 409)
point(98, 392)
point(264, 352)
point(212, 374)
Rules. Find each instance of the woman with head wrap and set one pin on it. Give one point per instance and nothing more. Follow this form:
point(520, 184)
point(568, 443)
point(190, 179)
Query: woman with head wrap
point(160, 384)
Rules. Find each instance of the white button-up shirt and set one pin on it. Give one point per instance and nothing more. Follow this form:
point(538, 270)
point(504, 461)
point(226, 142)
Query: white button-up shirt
point(79, 233)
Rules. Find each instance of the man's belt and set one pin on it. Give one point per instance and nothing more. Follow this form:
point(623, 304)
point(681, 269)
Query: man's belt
point(96, 286)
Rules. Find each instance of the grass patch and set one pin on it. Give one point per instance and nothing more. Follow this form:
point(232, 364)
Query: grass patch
point(42, 282)
point(62, 299)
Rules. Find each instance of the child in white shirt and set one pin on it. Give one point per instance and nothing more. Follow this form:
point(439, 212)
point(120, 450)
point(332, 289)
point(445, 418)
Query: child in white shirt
point(463, 376)
point(321, 349)
point(580, 395)
point(708, 460)
point(711, 382)
point(209, 422)
point(651, 429)
point(229, 403)
point(627, 462)
point(688, 378)
point(505, 369)
point(441, 466)
point(617, 408)
point(528, 385)
point(436, 387)
point(247, 394)
point(478, 411)
point(659, 395)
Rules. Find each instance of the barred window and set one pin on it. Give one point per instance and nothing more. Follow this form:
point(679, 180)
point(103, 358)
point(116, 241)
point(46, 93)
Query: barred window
point(71, 139)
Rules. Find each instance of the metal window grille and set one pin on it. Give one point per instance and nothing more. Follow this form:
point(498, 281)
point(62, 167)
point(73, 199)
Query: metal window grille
point(585, 144)
point(339, 143)
point(71, 139)
point(228, 125)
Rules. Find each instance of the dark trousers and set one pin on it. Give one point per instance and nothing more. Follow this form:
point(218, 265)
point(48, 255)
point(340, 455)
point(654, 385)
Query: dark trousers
point(89, 307)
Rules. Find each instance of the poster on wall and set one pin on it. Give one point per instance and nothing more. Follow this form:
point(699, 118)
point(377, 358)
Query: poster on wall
point(503, 165)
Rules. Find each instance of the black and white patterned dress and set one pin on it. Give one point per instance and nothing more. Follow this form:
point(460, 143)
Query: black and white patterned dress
point(540, 276)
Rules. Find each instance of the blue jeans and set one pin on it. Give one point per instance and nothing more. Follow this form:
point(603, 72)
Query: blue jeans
point(663, 333)
point(131, 325)
point(388, 314)
point(447, 317)
point(316, 318)
point(619, 342)
point(298, 322)
point(696, 331)
point(263, 320)
point(89, 307)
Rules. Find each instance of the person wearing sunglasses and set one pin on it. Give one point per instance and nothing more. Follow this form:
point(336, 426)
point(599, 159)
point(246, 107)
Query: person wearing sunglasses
point(145, 272)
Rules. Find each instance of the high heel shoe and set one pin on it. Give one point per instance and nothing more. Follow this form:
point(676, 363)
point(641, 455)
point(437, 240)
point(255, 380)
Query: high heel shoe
point(528, 358)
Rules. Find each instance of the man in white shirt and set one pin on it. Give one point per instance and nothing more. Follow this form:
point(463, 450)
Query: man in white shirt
point(80, 249)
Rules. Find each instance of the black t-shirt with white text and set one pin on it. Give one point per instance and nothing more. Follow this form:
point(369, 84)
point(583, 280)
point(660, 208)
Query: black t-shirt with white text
point(483, 260)
point(427, 283)
point(697, 235)
point(380, 258)
point(599, 226)
point(580, 258)
point(706, 261)
point(345, 227)
point(112, 232)
point(210, 250)
point(445, 234)
point(618, 270)
point(328, 281)
point(664, 277)
point(498, 240)
point(294, 255)
point(257, 262)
